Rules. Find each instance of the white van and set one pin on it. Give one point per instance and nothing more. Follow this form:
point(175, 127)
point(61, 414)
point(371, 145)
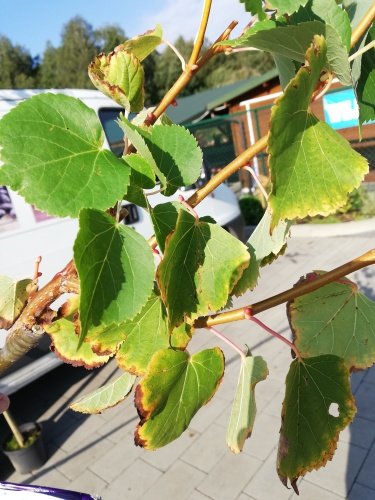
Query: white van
point(26, 233)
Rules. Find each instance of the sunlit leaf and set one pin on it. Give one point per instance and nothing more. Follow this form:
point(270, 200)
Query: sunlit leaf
point(142, 45)
point(264, 247)
point(65, 342)
point(315, 388)
point(201, 265)
point(255, 7)
point(293, 41)
point(313, 168)
point(253, 370)
point(286, 6)
point(13, 298)
point(146, 334)
point(116, 270)
point(335, 319)
point(120, 76)
point(106, 396)
point(171, 150)
point(174, 388)
point(52, 150)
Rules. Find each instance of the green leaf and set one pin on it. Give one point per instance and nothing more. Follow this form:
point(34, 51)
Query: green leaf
point(335, 319)
point(174, 388)
point(53, 156)
point(116, 270)
point(65, 344)
point(286, 69)
point(293, 41)
point(140, 118)
point(105, 397)
point(309, 430)
point(364, 80)
point(330, 13)
point(313, 167)
point(264, 247)
point(253, 370)
point(255, 7)
point(142, 173)
point(201, 265)
point(286, 6)
point(105, 339)
point(13, 298)
point(146, 334)
point(171, 150)
point(142, 45)
point(120, 76)
point(135, 194)
point(164, 219)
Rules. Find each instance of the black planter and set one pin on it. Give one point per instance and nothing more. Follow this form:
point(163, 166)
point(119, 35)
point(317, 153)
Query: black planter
point(27, 459)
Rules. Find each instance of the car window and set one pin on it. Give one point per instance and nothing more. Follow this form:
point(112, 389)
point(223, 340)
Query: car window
point(114, 134)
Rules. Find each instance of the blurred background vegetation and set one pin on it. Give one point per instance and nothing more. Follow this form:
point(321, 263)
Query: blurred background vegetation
point(65, 66)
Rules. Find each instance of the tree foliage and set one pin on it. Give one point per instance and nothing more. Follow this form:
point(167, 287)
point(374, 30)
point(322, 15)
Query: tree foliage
point(142, 309)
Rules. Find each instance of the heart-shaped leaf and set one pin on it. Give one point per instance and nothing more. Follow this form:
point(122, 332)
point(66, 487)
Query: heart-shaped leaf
point(172, 391)
point(52, 150)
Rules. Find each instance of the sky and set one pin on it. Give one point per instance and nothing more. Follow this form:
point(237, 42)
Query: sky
point(31, 23)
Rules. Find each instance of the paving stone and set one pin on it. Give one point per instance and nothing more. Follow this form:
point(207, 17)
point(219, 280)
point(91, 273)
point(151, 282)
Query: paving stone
point(123, 421)
point(355, 380)
point(116, 459)
point(88, 482)
point(79, 459)
point(339, 474)
point(132, 483)
point(360, 492)
point(178, 482)
point(264, 438)
point(229, 476)
point(196, 495)
point(274, 406)
point(163, 458)
point(209, 413)
point(243, 496)
point(207, 449)
point(361, 433)
point(309, 491)
point(265, 484)
point(366, 476)
point(80, 433)
point(365, 399)
point(53, 478)
point(369, 375)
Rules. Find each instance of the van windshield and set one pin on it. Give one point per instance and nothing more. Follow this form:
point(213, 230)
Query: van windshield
point(114, 134)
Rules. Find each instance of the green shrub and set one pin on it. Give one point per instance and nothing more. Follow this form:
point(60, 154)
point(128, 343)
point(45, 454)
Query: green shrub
point(251, 209)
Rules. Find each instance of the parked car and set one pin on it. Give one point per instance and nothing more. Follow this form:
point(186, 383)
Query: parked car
point(26, 233)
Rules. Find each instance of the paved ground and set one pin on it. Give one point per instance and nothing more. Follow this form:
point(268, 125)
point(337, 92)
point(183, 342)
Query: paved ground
point(96, 454)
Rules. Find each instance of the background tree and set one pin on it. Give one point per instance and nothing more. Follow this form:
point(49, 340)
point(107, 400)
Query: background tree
point(18, 68)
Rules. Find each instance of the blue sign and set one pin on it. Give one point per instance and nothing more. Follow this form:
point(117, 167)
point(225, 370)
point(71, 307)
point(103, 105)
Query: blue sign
point(341, 109)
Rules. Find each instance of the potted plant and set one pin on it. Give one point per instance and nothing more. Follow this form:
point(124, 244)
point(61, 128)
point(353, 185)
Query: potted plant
point(24, 445)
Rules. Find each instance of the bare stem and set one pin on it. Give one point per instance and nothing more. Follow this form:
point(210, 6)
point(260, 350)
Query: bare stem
point(258, 183)
point(198, 42)
point(362, 51)
point(177, 52)
point(364, 260)
point(363, 25)
point(228, 342)
point(14, 428)
point(249, 315)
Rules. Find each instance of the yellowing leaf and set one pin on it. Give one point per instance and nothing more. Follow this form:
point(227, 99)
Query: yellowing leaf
point(313, 168)
point(201, 265)
point(309, 428)
point(13, 298)
point(174, 388)
point(120, 76)
point(253, 370)
point(335, 319)
point(142, 45)
point(65, 343)
point(106, 396)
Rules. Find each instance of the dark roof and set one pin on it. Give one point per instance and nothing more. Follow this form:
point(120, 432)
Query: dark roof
point(194, 106)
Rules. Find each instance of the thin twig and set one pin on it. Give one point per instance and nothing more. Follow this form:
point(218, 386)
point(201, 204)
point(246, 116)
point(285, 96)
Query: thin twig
point(177, 52)
point(249, 315)
point(364, 260)
point(362, 26)
point(362, 51)
point(228, 342)
point(198, 42)
point(256, 179)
